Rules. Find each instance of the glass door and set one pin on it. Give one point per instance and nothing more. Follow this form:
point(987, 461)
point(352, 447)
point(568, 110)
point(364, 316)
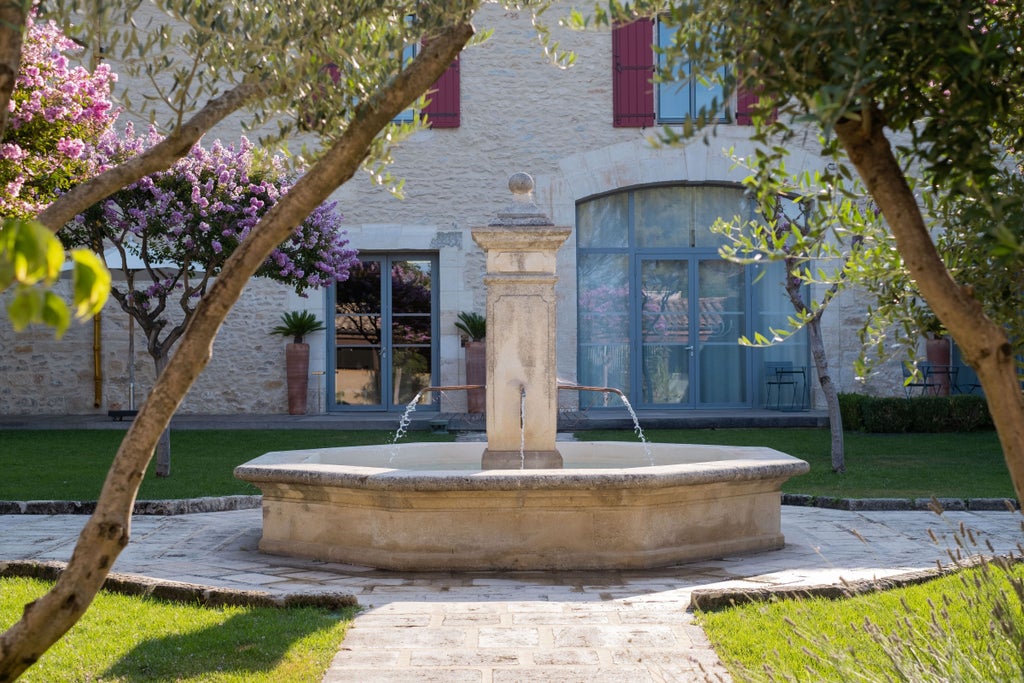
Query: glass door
point(666, 338)
point(692, 313)
point(383, 332)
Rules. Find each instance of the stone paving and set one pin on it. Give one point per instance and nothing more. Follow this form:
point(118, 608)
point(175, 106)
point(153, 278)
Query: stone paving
point(523, 626)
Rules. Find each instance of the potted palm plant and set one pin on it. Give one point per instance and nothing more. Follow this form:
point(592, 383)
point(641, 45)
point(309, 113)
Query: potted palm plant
point(473, 327)
point(297, 324)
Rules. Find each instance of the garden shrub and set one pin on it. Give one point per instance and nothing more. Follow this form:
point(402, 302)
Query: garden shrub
point(969, 413)
point(929, 414)
point(886, 414)
point(850, 407)
point(926, 414)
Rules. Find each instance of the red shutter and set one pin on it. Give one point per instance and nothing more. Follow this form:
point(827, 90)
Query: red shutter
point(443, 109)
point(632, 70)
point(746, 100)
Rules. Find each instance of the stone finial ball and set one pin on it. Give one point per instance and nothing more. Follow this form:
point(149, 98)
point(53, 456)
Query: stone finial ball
point(520, 183)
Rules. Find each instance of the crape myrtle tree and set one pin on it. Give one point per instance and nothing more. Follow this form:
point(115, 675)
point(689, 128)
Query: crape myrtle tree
point(924, 101)
point(194, 215)
point(235, 55)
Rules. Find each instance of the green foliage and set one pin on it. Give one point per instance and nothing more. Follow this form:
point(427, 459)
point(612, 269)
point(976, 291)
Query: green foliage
point(964, 627)
point(919, 414)
point(298, 324)
point(473, 325)
point(136, 638)
point(851, 408)
point(30, 262)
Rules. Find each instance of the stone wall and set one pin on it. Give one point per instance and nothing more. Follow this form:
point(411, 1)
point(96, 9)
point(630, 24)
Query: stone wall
point(519, 113)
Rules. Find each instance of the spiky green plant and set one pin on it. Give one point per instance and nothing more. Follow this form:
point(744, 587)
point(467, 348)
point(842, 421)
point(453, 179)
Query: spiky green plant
point(298, 324)
point(473, 325)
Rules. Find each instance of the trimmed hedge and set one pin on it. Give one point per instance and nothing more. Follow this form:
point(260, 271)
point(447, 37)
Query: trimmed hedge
point(879, 414)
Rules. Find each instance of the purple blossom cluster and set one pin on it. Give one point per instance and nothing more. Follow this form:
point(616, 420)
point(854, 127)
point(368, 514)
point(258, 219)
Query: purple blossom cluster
point(56, 109)
point(198, 211)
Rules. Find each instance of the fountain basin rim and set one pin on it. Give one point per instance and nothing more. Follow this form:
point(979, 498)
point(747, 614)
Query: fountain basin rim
point(293, 467)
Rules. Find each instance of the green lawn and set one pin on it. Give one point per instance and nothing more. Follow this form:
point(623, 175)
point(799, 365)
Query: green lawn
point(130, 638)
point(943, 630)
point(878, 465)
point(71, 464)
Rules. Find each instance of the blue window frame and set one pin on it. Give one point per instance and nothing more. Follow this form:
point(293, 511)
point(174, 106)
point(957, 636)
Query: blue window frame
point(684, 97)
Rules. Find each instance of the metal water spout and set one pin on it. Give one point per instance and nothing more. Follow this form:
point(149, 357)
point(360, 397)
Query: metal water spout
point(521, 246)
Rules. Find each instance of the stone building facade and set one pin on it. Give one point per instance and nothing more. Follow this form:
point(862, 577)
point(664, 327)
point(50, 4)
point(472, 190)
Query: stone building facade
point(517, 112)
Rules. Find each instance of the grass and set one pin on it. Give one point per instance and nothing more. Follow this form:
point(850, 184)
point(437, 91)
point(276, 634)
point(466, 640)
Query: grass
point(948, 629)
point(130, 638)
point(878, 465)
point(71, 464)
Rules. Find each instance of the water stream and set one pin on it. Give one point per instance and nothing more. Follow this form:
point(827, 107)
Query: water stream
point(410, 408)
point(637, 429)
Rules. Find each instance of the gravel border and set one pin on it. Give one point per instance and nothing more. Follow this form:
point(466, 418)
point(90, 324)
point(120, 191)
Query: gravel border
point(177, 591)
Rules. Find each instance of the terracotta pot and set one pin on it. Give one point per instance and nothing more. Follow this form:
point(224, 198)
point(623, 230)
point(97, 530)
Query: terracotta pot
point(476, 373)
point(938, 353)
point(297, 368)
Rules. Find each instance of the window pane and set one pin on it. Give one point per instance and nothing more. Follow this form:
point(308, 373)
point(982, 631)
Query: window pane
point(603, 222)
point(722, 322)
point(410, 329)
point(410, 369)
point(663, 216)
point(357, 330)
point(360, 293)
point(410, 287)
point(604, 326)
point(712, 203)
point(357, 377)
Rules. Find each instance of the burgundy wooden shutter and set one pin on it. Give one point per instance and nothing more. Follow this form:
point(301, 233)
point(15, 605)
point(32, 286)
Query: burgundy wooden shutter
point(632, 70)
point(746, 100)
point(443, 111)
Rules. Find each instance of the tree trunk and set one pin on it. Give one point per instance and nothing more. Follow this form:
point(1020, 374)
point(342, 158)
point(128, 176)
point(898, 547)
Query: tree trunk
point(12, 34)
point(163, 445)
point(982, 342)
point(831, 394)
point(107, 530)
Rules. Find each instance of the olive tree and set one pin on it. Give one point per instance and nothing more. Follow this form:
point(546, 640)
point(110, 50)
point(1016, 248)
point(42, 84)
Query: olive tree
point(273, 62)
point(923, 102)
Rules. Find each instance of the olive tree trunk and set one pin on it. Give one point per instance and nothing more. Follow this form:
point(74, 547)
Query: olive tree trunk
point(983, 343)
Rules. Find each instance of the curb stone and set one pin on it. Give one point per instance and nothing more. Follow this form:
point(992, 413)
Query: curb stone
point(182, 506)
point(186, 506)
point(896, 504)
point(714, 599)
point(177, 591)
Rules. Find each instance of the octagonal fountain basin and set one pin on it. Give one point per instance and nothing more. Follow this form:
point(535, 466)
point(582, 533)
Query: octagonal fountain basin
point(429, 507)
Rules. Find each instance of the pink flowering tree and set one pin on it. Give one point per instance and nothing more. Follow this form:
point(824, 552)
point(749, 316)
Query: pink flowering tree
point(55, 110)
point(184, 223)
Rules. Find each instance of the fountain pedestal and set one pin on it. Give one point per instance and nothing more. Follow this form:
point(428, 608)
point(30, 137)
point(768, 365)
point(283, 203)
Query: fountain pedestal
point(522, 391)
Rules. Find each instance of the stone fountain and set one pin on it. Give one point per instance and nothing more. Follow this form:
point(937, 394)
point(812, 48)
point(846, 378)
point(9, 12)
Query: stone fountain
point(521, 502)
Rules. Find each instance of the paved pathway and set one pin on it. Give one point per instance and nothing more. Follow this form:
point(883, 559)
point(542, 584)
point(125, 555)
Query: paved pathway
point(524, 626)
